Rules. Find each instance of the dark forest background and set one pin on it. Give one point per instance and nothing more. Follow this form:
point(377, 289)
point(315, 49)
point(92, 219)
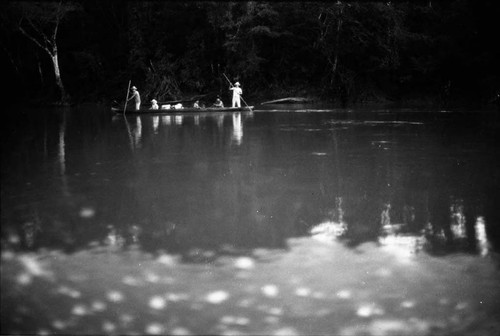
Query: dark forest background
point(340, 51)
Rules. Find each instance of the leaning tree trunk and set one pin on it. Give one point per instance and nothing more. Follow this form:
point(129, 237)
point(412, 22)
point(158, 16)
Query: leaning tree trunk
point(57, 73)
point(47, 40)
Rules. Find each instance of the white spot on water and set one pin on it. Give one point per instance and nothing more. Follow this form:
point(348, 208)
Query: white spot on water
point(155, 329)
point(152, 277)
point(181, 331)
point(14, 239)
point(302, 291)
point(157, 302)
point(276, 311)
point(126, 319)
point(79, 310)
point(244, 263)
point(241, 320)
point(388, 327)
point(130, 280)
point(108, 327)
point(58, 324)
point(115, 296)
point(217, 297)
point(367, 310)
point(286, 331)
point(7, 255)
point(32, 265)
point(174, 297)
point(408, 304)
point(87, 212)
point(98, 306)
point(344, 294)
point(167, 260)
point(73, 293)
point(24, 279)
point(270, 290)
point(227, 319)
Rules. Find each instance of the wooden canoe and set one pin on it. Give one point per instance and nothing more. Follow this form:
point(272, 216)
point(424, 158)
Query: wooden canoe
point(119, 110)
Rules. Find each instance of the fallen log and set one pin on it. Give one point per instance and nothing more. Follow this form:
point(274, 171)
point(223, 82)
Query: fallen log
point(288, 100)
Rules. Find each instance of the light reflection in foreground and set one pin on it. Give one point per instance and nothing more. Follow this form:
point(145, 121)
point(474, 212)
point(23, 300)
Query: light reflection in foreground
point(338, 290)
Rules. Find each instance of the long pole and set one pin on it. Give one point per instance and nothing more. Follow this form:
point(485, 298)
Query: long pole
point(240, 95)
point(126, 100)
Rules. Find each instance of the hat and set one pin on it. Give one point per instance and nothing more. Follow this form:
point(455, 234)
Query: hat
point(237, 84)
point(134, 88)
point(154, 101)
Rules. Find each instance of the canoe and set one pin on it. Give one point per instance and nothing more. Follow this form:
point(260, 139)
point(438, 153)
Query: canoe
point(119, 110)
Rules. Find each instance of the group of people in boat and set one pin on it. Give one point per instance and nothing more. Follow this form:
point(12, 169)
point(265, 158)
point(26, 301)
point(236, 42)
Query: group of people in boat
point(236, 101)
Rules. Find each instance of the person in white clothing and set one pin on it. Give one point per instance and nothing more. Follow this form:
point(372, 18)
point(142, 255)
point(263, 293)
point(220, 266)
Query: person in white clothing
point(154, 104)
point(237, 92)
point(137, 98)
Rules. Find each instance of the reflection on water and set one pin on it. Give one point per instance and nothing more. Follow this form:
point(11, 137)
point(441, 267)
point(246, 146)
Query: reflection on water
point(166, 120)
point(178, 119)
point(178, 183)
point(358, 222)
point(137, 132)
point(156, 123)
point(237, 128)
point(405, 239)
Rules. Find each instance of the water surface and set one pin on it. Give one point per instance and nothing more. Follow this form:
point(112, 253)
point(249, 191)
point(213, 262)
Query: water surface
point(363, 221)
point(176, 182)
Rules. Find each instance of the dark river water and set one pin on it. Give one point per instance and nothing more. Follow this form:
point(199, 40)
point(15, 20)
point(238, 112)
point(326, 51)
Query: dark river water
point(78, 177)
point(286, 221)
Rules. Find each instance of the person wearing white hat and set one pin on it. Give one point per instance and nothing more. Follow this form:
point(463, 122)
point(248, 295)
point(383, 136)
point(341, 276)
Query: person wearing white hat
point(237, 92)
point(154, 104)
point(137, 97)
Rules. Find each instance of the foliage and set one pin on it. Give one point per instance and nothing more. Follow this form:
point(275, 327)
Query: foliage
point(344, 50)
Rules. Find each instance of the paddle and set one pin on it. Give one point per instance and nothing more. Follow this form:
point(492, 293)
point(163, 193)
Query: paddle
point(240, 95)
point(126, 100)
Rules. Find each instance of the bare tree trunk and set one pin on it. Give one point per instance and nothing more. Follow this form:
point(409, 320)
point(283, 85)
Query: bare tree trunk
point(33, 30)
point(57, 73)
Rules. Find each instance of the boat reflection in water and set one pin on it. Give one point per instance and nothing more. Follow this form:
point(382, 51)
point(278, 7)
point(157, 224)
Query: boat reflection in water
point(166, 120)
point(237, 128)
point(178, 119)
point(156, 123)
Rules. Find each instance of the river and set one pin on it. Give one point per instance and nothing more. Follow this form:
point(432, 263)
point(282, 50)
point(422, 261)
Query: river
point(288, 220)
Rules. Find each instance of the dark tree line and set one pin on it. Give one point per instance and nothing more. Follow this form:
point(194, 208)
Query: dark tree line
point(345, 51)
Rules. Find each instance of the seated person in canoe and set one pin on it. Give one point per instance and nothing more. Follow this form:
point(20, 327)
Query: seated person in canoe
point(218, 103)
point(154, 104)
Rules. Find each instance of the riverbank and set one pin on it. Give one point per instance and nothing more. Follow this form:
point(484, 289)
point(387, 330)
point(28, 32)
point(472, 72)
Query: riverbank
point(315, 287)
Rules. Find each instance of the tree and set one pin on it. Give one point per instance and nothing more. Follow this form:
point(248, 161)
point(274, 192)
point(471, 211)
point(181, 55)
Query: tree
point(40, 22)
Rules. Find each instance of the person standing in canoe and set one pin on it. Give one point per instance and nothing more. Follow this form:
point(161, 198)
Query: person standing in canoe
point(137, 97)
point(237, 92)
